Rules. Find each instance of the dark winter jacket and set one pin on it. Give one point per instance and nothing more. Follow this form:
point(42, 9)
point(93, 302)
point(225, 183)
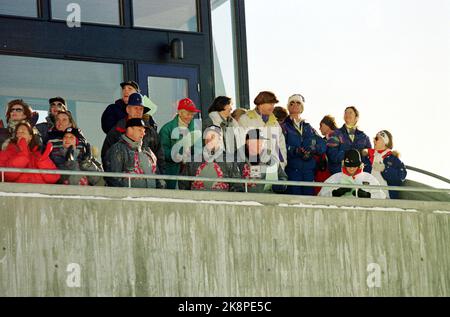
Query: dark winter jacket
point(151, 140)
point(78, 159)
point(45, 127)
point(339, 142)
point(394, 172)
point(127, 156)
point(112, 114)
point(301, 147)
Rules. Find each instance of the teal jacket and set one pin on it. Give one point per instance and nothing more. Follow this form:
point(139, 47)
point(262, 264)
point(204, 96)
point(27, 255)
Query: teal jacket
point(167, 143)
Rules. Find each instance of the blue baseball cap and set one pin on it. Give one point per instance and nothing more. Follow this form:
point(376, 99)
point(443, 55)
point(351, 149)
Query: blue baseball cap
point(136, 100)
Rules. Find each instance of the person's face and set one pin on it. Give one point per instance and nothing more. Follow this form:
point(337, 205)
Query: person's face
point(17, 113)
point(266, 109)
point(379, 143)
point(62, 122)
point(351, 170)
point(69, 140)
point(22, 132)
point(324, 129)
point(294, 107)
point(350, 117)
point(135, 111)
point(136, 133)
point(186, 116)
point(226, 112)
point(213, 140)
point(127, 90)
point(255, 147)
point(55, 107)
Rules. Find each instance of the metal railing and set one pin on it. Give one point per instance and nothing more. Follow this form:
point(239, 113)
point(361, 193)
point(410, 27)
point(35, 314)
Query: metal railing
point(4, 170)
point(421, 171)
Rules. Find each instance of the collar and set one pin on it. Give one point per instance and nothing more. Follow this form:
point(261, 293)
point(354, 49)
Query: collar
point(358, 171)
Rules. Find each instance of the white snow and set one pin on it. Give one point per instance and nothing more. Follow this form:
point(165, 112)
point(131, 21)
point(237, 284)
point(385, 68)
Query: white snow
point(347, 207)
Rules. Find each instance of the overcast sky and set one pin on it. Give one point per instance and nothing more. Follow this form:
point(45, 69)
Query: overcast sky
point(389, 58)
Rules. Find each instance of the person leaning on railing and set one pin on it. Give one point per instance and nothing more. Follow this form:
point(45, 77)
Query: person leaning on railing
point(23, 152)
point(384, 163)
point(213, 164)
point(74, 155)
point(352, 173)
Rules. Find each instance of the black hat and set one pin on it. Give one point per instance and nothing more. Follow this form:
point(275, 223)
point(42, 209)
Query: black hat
point(352, 158)
point(54, 99)
point(136, 100)
point(255, 134)
point(135, 122)
point(131, 83)
point(76, 132)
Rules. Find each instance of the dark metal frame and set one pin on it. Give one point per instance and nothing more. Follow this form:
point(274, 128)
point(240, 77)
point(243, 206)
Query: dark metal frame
point(124, 44)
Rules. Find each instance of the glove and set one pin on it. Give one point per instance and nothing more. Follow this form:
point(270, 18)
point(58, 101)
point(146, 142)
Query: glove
point(304, 153)
point(87, 152)
point(23, 146)
point(69, 154)
point(340, 192)
point(363, 194)
point(378, 166)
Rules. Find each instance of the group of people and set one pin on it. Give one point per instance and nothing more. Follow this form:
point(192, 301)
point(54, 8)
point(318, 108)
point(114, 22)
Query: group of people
point(265, 143)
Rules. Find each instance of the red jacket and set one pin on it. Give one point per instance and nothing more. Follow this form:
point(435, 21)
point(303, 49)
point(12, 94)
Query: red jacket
point(20, 156)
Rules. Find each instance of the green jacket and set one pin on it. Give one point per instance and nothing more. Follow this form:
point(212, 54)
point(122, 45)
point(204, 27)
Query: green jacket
point(167, 143)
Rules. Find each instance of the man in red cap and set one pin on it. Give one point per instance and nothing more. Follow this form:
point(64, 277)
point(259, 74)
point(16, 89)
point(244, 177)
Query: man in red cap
point(183, 125)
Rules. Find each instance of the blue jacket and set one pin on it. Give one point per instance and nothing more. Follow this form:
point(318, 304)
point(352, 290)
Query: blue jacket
point(340, 142)
point(309, 141)
point(112, 114)
point(394, 171)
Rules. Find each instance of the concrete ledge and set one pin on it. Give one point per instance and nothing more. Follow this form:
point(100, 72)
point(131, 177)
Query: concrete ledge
point(95, 241)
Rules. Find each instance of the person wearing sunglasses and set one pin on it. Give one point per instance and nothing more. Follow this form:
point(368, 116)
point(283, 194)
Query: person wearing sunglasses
point(303, 143)
point(56, 104)
point(384, 163)
point(17, 111)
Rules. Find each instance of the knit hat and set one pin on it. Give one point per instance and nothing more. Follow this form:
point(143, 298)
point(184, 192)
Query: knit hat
point(135, 122)
point(255, 134)
point(76, 132)
point(352, 158)
point(188, 105)
point(299, 98)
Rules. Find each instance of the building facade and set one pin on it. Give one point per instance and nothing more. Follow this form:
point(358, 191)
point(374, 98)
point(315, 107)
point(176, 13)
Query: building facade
point(82, 49)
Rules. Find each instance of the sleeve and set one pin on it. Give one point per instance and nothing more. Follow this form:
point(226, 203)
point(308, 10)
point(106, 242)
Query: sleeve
point(91, 165)
point(375, 193)
point(234, 172)
point(111, 138)
point(335, 149)
point(114, 163)
point(46, 163)
point(320, 145)
point(108, 119)
point(189, 170)
point(166, 144)
point(395, 173)
point(280, 189)
point(327, 191)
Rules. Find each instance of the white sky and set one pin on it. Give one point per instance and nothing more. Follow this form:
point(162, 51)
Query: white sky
point(389, 58)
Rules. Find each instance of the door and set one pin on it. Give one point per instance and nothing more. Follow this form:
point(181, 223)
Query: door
point(165, 85)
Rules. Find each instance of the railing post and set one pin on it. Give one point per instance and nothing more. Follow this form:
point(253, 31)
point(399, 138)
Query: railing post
point(129, 182)
point(3, 176)
point(246, 189)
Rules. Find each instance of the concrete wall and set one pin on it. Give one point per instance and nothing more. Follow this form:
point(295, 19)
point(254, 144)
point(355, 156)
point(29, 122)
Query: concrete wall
point(174, 243)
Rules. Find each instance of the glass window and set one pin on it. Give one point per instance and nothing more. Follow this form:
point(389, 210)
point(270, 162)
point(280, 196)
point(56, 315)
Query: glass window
point(26, 8)
point(95, 11)
point(170, 90)
point(169, 14)
point(88, 88)
point(224, 48)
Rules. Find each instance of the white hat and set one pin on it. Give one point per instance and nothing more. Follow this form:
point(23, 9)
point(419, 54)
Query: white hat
point(300, 98)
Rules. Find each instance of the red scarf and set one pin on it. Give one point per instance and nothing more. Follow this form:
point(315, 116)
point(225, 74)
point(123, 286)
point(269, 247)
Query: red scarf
point(372, 154)
point(358, 171)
